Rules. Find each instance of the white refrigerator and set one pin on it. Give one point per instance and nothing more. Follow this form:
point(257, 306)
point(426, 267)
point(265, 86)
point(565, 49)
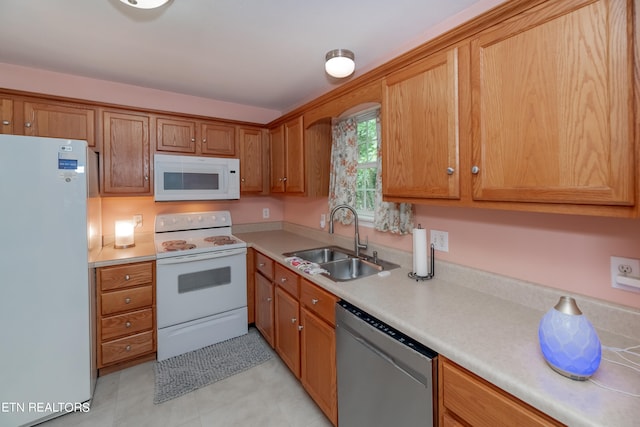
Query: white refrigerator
point(49, 221)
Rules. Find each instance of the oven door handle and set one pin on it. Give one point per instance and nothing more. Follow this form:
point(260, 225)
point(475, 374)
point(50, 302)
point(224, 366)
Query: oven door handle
point(200, 257)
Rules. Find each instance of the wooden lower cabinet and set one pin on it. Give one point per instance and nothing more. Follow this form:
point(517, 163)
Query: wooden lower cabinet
point(297, 319)
point(468, 400)
point(126, 323)
point(265, 308)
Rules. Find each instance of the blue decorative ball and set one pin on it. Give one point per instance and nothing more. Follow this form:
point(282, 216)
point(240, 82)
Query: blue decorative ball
point(569, 344)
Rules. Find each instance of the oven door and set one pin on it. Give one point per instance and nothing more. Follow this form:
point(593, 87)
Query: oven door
point(191, 287)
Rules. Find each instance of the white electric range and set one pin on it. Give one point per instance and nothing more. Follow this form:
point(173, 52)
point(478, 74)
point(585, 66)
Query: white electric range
point(201, 281)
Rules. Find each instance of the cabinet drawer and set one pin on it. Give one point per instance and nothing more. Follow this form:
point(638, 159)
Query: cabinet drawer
point(264, 265)
point(478, 402)
point(125, 275)
point(127, 348)
point(126, 324)
point(127, 299)
point(287, 280)
point(318, 301)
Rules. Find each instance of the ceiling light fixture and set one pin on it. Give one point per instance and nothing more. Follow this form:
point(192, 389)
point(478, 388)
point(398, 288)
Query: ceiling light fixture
point(340, 63)
point(145, 4)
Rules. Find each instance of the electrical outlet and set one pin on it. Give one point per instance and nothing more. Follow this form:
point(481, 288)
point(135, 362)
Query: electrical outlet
point(137, 221)
point(626, 268)
point(440, 240)
point(265, 213)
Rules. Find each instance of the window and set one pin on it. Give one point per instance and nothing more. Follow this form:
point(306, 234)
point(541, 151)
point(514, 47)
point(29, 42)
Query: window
point(367, 130)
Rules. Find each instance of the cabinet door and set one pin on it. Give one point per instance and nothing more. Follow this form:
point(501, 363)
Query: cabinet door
point(175, 135)
point(294, 156)
point(251, 160)
point(318, 364)
point(126, 153)
point(552, 100)
point(60, 121)
point(265, 308)
point(277, 158)
point(421, 128)
point(287, 334)
point(6, 116)
point(217, 139)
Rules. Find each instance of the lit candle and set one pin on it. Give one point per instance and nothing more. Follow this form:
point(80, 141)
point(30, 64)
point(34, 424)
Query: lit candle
point(124, 234)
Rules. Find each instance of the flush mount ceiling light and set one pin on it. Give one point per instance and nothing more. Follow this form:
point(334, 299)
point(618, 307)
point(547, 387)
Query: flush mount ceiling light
point(339, 63)
point(145, 4)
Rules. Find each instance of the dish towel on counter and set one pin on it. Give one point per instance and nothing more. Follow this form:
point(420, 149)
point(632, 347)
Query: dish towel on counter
point(304, 265)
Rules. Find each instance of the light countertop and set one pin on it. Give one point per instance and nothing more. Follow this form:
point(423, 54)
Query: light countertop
point(484, 322)
point(495, 337)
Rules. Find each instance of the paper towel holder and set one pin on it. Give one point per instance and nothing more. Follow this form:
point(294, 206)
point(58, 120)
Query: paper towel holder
point(430, 273)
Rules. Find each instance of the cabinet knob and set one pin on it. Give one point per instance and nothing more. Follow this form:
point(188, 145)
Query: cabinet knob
point(293, 320)
point(282, 280)
point(27, 124)
point(127, 325)
point(128, 348)
point(146, 177)
point(127, 300)
point(314, 301)
point(450, 171)
point(475, 170)
point(269, 299)
point(242, 180)
point(284, 179)
point(6, 122)
point(262, 264)
point(193, 140)
point(300, 327)
point(127, 277)
point(204, 140)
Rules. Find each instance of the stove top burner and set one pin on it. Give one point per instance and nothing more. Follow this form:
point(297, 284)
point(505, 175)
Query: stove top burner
point(220, 240)
point(172, 247)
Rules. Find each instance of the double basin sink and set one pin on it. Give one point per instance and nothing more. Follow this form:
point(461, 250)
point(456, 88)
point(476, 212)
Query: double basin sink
point(342, 264)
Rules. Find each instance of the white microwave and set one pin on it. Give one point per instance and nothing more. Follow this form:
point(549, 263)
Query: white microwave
point(195, 178)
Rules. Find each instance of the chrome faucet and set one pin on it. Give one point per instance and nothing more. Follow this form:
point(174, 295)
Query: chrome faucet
point(356, 242)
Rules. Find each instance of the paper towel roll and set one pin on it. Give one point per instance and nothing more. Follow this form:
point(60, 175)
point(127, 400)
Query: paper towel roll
point(420, 251)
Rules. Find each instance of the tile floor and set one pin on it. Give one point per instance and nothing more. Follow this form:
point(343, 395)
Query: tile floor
point(263, 396)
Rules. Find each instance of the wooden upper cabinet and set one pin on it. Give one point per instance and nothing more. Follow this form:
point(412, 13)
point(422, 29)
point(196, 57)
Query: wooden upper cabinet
point(252, 159)
point(175, 135)
point(288, 158)
point(277, 159)
point(6, 116)
point(420, 120)
point(300, 158)
point(56, 120)
point(552, 106)
point(126, 154)
point(294, 155)
point(218, 139)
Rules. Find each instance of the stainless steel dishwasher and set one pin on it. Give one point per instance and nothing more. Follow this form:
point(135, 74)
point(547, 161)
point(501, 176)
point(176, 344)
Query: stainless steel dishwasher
point(385, 378)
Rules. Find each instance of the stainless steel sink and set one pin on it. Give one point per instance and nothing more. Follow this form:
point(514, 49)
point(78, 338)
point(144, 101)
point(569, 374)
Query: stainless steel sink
point(350, 269)
point(342, 264)
point(321, 255)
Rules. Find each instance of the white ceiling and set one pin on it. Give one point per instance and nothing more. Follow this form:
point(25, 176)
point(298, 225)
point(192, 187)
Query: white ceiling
point(263, 53)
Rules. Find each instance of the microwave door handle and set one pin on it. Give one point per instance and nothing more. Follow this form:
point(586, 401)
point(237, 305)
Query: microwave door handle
point(199, 257)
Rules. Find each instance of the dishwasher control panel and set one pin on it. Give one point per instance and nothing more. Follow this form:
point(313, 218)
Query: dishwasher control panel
point(388, 330)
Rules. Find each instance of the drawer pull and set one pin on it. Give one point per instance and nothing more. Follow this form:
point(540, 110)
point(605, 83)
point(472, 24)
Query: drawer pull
point(127, 277)
point(127, 325)
point(262, 264)
point(314, 301)
point(127, 300)
point(128, 348)
point(284, 279)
